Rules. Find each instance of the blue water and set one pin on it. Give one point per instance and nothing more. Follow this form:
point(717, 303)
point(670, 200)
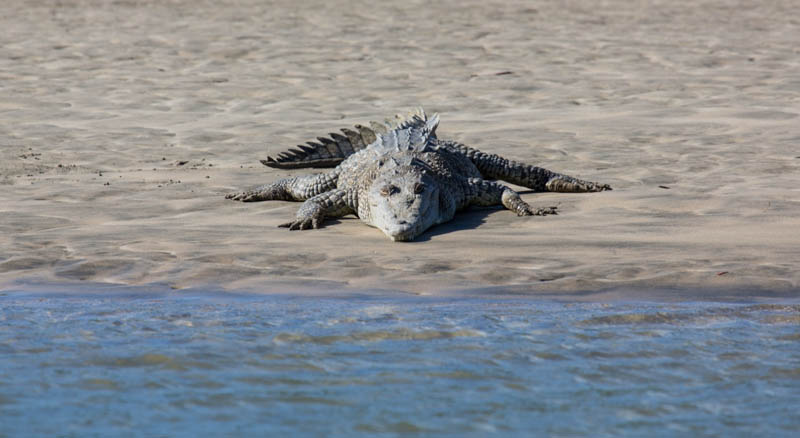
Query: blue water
point(225, 365)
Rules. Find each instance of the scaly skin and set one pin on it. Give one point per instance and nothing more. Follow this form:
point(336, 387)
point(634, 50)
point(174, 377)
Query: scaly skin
point(532, 177)
point(290, 189)
point(405, 180)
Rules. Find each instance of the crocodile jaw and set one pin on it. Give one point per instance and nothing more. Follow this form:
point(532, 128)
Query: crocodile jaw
point(407, 225)
point(402, 233)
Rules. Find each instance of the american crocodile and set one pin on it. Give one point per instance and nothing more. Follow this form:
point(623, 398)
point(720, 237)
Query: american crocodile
point(400, 178)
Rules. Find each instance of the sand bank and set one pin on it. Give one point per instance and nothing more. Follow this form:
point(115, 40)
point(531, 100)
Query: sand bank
point(123, 125)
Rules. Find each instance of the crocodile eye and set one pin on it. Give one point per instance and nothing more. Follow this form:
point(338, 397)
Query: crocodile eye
point(419, 188)
point(389, 190)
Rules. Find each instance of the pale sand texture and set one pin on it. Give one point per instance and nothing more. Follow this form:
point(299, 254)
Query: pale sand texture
point(101, 100)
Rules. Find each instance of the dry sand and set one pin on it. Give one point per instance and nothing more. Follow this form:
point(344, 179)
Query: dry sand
point(124, 123)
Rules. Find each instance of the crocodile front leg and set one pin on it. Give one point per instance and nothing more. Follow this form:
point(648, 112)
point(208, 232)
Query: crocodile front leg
point(334, 203)
point(482, 192)
point(526, 175)
point(289, 189)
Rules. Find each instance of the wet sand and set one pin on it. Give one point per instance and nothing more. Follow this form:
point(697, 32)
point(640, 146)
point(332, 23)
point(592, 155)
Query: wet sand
point(123, 125)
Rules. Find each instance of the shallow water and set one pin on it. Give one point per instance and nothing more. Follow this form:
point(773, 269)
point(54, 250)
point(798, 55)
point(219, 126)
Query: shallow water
point(212, 365)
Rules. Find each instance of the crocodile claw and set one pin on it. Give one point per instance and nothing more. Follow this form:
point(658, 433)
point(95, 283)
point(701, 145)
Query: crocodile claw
point(302, 224)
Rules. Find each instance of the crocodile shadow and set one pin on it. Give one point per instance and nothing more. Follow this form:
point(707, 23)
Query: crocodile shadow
point(467, 219)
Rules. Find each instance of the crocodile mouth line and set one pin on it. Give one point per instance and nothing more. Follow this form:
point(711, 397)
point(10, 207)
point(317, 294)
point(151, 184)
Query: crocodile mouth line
point(413, 228)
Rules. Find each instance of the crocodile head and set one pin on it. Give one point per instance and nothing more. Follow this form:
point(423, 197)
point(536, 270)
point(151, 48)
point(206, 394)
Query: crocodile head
point(404, 203)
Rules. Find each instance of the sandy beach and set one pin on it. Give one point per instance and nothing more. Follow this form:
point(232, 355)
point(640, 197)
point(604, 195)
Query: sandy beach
point(123, 125)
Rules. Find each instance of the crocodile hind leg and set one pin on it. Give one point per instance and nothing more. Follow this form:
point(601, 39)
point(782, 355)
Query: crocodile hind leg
point(334, 203)
point(482, 192)
point(289, 189)
point(568, 184)
point(532, 177)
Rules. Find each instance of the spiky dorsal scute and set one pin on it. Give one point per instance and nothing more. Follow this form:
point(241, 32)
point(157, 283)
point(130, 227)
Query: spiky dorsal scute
point(329, 152)
point(416, 134)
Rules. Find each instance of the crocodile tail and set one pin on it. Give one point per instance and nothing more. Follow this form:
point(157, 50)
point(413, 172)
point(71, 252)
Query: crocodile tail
point(331, 150)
